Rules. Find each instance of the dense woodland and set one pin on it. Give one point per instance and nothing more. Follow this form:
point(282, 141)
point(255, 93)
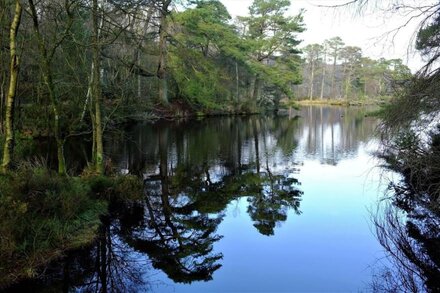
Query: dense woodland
point(78, 68)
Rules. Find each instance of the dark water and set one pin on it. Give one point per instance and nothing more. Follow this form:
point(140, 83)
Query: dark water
point(255, 204)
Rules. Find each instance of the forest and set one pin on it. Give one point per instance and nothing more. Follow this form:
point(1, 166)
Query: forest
point(334, 71)
point(85, 70)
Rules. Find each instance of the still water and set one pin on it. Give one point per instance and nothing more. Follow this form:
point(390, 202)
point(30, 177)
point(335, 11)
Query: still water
point(240, 204)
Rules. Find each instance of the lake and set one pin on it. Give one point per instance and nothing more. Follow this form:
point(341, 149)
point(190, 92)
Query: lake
point(239, 204)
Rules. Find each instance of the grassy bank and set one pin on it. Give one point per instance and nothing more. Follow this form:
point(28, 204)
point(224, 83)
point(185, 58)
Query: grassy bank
point(344, 102)
point(44, 215)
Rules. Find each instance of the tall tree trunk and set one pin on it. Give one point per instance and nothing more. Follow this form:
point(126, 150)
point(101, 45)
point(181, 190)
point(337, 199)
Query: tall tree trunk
point(48, 81)
point(312, 78)
point(162, 68)
point(256, 144)
point(237, 80)
point(2, 97)
point(334, 76)
point(324, 64)
point(347, 84)
point(97, 91)
point(3, 66)
point(8, 149)
point(139, 81)
point(365, 86)
point(255, 93)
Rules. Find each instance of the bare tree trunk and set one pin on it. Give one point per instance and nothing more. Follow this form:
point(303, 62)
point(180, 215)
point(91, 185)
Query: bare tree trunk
point(255, 92)
point(48, 81)
point(334, 76)
point(256, 143)
point(324, 64)
point(347, 84)
point(312, 78)
point(365, 87)
point(237, 83)
point(3, 66)
point(2, 98)
point(162, 68)
point(139, 81)
point(8, 149)
point(97, 91)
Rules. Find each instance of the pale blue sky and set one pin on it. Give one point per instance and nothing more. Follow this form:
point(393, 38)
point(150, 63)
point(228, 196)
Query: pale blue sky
point(365, 31)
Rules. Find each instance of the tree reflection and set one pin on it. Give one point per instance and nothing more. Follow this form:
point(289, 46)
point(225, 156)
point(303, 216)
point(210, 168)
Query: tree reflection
point(192, 172)
point(269, 206)
point(187, 195)
point(334, 133)
point(178, 240)
point(413, 246)
point(109, 265)
point(177, 236)
point(409, 228)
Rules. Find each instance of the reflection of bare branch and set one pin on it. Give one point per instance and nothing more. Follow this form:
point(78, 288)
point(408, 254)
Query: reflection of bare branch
point(411, 245)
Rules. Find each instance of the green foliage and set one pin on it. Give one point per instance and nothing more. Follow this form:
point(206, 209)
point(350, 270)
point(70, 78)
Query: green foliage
point(204, 48)
point(272, 39)
point(24, 148)
point(42, 215)
point(428, 38)
point(129, 187)
point(334, 71)
point(115, 188)
point(197, 79)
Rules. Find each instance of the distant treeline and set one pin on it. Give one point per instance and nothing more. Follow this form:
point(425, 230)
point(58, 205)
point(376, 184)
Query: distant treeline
point(332, 70)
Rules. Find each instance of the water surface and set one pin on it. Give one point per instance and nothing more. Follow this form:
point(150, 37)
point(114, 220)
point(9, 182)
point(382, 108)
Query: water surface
point(240, 204)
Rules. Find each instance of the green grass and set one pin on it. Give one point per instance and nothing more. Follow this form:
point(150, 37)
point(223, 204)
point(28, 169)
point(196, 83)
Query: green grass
point(42, 216)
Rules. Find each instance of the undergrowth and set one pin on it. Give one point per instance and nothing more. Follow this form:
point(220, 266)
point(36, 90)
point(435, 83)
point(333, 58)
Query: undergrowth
point(43, 215)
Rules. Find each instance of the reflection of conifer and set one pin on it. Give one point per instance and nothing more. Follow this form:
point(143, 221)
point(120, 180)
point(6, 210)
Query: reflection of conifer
point(268, 207)
point(179, 241)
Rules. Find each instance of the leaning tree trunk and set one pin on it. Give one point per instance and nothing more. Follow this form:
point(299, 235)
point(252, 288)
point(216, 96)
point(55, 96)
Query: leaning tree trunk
point(8, 149)
point(48, 81)
point(97, 93)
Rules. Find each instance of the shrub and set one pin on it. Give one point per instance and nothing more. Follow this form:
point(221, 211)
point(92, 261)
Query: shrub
point(42, 215)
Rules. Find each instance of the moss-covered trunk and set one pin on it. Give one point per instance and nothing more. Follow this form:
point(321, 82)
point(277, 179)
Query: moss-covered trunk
point(8, 149)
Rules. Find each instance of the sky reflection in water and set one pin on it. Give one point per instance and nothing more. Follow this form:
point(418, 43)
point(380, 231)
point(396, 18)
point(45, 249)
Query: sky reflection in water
point(329, 246)
point(239, 204)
